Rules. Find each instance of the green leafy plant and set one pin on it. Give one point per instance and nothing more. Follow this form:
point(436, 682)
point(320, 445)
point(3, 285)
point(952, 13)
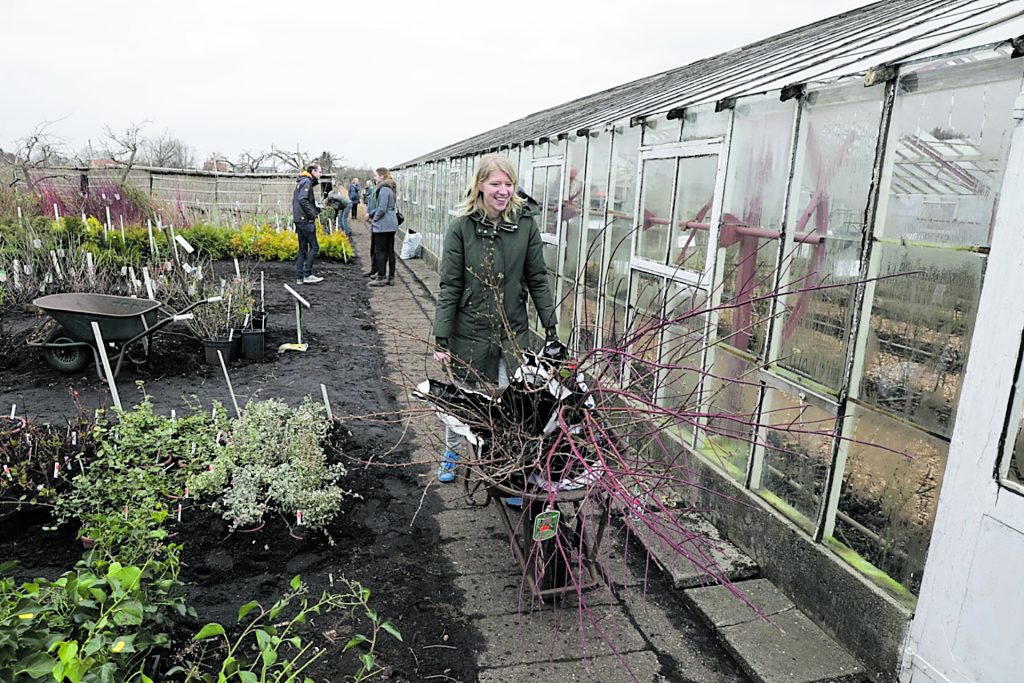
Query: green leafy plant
point(141, 461)
point(276, 636)
point(97, 623)
point(274, 461)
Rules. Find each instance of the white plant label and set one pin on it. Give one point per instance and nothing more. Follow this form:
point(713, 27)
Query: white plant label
point(37, 244)
point(184, 243)
point(14, 409)
point(3, 276)
point(60, 252)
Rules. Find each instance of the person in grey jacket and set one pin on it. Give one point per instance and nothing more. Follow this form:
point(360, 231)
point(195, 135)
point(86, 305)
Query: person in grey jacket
point(383, 226)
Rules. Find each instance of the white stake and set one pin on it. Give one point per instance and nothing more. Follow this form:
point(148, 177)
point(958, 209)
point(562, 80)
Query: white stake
point(152, 242)
point(107, 227)
point(238, 273)
point(262, 305)
point(149, 283)
point(106, 364)
point(56, 212)
point(174, 244)
point(14, 409)
point(90, 266)
point(224, 367)
point(327, 402)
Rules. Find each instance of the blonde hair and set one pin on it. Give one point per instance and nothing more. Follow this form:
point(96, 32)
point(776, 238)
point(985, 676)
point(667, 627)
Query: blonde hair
point(488, 164)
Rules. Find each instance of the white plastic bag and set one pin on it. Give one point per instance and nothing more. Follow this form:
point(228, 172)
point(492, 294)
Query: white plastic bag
point(411, 246)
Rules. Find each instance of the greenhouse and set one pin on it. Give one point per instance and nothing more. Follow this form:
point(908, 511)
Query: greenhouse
point(833, 205)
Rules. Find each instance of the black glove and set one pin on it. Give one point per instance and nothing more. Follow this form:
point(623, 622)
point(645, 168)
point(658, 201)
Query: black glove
point(551, 335)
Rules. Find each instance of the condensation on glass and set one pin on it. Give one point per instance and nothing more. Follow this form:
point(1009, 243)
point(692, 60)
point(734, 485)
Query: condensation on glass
point(622, 189)
point(838, 141)
point(752, 215)
point(595, 202)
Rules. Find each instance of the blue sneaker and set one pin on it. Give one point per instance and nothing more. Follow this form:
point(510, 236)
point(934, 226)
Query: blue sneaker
point(446, 470)
point(514, 502)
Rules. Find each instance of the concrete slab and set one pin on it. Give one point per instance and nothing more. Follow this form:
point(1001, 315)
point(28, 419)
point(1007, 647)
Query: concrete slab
point(506, 592)
point(721, 607)
point(799, 653)
point(642, 666)
point(784, 647)
point(489, 555)
point(692, 550)
point(687, 650)
point(558, 635)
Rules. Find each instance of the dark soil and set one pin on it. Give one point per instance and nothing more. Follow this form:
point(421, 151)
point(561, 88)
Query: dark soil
point(378, 539)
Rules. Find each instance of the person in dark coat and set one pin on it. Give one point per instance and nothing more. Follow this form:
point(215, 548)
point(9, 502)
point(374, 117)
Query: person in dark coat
point(304, 213)
point(353, 196)
point(492, 260)
point(383, 226)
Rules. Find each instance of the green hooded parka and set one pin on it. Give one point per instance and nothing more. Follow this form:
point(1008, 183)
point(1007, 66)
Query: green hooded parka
point(487, 271)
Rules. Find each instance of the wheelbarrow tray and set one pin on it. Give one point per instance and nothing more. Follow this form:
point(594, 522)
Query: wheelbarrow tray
point(120, 318)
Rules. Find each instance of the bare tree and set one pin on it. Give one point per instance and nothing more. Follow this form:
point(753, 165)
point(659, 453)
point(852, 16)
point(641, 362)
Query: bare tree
point(124, 147)
point(293, 160)
point(38, 149)
point(250, 162)
point(167, 151)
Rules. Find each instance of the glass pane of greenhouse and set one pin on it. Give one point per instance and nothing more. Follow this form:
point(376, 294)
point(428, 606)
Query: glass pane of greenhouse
point(797, 444)
point(752, 215)
point(656, 209)
point(890, 494)
point(551, 202)
point(647, 302)
point(658, 131)
point(759, 161)
point(838, 138)
point(702, 122)
point(919, 331)
point(625, 153)
point(952, 126)
point(731, 393)
point(681, 354)
point(595, 201)
point(695, 191)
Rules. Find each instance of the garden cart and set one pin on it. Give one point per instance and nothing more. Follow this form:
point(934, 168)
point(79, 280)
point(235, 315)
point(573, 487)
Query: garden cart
point(126, 325)
point(520, 438)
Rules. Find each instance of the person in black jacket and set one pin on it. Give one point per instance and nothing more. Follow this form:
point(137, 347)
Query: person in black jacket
point(304, 213)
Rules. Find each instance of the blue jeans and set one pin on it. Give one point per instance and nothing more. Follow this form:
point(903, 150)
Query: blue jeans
point(343, 217)
point(308, 248)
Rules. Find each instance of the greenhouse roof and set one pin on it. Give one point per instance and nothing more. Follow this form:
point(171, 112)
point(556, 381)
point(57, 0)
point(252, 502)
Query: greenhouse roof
point(879, 34)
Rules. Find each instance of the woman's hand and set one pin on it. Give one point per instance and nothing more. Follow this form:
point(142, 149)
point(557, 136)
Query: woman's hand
point(443, 357)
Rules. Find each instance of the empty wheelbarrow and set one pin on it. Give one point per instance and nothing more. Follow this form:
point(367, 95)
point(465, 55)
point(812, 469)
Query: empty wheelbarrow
point(123, 321)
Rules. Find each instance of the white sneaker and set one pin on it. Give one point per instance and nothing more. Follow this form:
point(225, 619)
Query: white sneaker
point(311, 280)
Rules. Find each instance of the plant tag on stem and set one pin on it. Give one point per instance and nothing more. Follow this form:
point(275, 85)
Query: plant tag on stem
point(81, 467)
point(126, 512)
point(37, 244)
point(298, 518)
point(74, 438)
point(14, 410)
point(56, 469)
point(7, 471)
point(238, 273)
point(179, 512)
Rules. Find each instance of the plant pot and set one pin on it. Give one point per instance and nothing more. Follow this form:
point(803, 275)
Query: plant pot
point(212, 346)
point(252, 344)
point(259, 320)
point(236, 346)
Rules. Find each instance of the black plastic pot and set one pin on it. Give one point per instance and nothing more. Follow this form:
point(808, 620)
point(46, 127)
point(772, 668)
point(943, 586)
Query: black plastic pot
point(252, 344)
point(227, 349)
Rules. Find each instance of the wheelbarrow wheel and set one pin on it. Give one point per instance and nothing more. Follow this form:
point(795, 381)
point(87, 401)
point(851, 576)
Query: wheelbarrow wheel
point(66, 359)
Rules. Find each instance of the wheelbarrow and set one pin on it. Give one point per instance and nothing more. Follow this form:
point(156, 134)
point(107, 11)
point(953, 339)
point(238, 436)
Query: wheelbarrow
point(550, 535)
point(123, 321)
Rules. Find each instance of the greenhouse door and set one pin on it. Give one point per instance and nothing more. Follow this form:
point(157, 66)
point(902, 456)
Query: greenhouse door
point(968, 622)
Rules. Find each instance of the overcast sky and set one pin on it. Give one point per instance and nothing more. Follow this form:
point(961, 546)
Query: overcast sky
point(375, 82)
